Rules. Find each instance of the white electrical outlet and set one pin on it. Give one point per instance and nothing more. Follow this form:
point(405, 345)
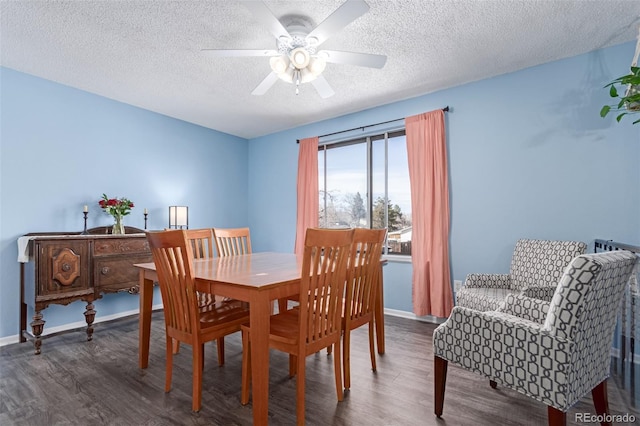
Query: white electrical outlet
point(456, 285)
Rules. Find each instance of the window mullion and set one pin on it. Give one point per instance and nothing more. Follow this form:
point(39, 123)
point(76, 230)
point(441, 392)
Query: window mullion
point(386, 181)
point(369, 182)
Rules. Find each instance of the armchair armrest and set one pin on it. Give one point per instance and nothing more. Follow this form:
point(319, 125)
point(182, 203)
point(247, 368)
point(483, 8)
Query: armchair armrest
point(524, 307)
point(488, 281)
point(541, 292)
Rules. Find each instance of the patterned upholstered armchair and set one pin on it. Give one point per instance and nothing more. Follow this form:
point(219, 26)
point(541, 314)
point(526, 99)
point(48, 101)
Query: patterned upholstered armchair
point(555, 352)
point(536, 267)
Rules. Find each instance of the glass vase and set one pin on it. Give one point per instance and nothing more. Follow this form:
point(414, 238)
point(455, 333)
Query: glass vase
point(118, 227)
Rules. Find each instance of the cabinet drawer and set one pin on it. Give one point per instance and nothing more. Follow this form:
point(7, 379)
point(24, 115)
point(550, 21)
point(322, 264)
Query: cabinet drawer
point(63, 269)
point(111, 246)
point(117, 273)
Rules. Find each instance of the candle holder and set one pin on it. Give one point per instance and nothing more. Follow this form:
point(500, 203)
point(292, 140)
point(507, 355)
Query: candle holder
point(145, 220)
point(85, 223)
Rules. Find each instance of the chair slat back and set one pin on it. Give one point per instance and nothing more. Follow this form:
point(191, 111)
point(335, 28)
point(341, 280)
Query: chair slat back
point(232, 241)
point(173, 259)
point(363, 273)
point(324, 270)
point(201, 241)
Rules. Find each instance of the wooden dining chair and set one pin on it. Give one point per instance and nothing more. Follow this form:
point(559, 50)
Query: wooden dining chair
point(185, 320)
point(232, 241)
point(316, 324)
point(201, 241)
point(361, 292)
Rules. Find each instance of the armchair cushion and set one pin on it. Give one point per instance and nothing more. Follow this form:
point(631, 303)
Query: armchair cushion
point(524, 307)
point(482, 299)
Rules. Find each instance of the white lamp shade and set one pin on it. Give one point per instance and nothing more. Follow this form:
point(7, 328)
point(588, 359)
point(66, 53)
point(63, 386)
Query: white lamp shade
point(287, 75)
point(299, 57)
point(279, 64)
point(306, 76)
point(317, 65)
point(178, 217)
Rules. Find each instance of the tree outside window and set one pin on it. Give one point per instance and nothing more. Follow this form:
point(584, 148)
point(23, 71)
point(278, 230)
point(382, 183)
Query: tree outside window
point(351, 170)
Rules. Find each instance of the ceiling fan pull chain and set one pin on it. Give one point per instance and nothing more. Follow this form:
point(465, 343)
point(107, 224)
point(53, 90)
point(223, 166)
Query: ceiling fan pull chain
point(297, 81)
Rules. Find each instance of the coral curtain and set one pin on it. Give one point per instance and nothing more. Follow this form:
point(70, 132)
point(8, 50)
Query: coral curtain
point(307, 216)
point(428, 175)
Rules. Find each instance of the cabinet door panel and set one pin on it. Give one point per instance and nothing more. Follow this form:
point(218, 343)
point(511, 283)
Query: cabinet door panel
point(63, 269)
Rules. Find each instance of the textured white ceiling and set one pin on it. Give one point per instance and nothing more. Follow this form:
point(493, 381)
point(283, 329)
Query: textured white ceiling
point(147, 53)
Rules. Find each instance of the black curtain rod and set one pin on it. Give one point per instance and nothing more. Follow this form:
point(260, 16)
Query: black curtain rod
point(445, 109)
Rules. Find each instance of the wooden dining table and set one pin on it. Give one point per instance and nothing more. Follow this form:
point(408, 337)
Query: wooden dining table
point(258, 278)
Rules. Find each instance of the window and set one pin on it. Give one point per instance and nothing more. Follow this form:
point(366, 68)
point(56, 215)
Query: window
point(364, 183)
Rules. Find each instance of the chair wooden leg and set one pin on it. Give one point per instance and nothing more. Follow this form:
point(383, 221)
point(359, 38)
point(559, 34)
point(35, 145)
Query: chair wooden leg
point(346, 358)
point(202, 357)
point(556, 417)
point(300, 383)
point(176, 346)
point(169, 364)
point(439, 382)
point(220, 344)
point(246, 368)
point(372, 346)
point(293, 365)
point(337, 367)
point(600, 400)
point(493, 384)
point(197, 377)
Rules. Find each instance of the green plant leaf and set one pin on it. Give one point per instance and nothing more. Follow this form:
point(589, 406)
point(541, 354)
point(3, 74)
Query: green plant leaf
point(604, 111)
point(613, 92)
point(619, 117)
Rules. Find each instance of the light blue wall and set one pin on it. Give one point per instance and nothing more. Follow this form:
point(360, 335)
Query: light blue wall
point(529, 157)
point(61, 148)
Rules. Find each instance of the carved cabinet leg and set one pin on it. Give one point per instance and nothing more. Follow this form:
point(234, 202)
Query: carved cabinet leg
point(89, 315)
point(37, 326)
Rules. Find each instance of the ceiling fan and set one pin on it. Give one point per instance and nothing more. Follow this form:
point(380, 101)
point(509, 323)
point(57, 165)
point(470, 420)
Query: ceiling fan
point(297, 59)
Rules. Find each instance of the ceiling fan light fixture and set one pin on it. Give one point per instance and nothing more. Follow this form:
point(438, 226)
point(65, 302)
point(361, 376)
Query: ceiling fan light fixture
point(287, 75)
point(300, 57)
point(307, 75)
point(279, 64)
point(317, 65)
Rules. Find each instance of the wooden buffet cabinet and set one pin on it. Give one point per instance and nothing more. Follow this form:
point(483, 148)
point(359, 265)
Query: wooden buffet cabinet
point(66, 267)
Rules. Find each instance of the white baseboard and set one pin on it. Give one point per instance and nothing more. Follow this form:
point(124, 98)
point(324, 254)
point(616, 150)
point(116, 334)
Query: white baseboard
point(411, 315)
point(74, 325)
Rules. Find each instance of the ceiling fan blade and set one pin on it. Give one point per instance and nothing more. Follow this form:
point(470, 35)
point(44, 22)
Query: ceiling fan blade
point(352, 58)
point(340, 18)
point(239, 52)
point(266, 84)
point(323, 88)
point(267, 18)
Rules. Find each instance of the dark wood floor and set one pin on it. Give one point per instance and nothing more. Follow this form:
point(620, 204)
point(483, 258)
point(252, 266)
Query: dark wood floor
point(75, 382)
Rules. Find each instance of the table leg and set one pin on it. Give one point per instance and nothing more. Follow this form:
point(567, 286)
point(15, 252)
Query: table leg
point(144, 320)
point(379, 314)
point(260, 310)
